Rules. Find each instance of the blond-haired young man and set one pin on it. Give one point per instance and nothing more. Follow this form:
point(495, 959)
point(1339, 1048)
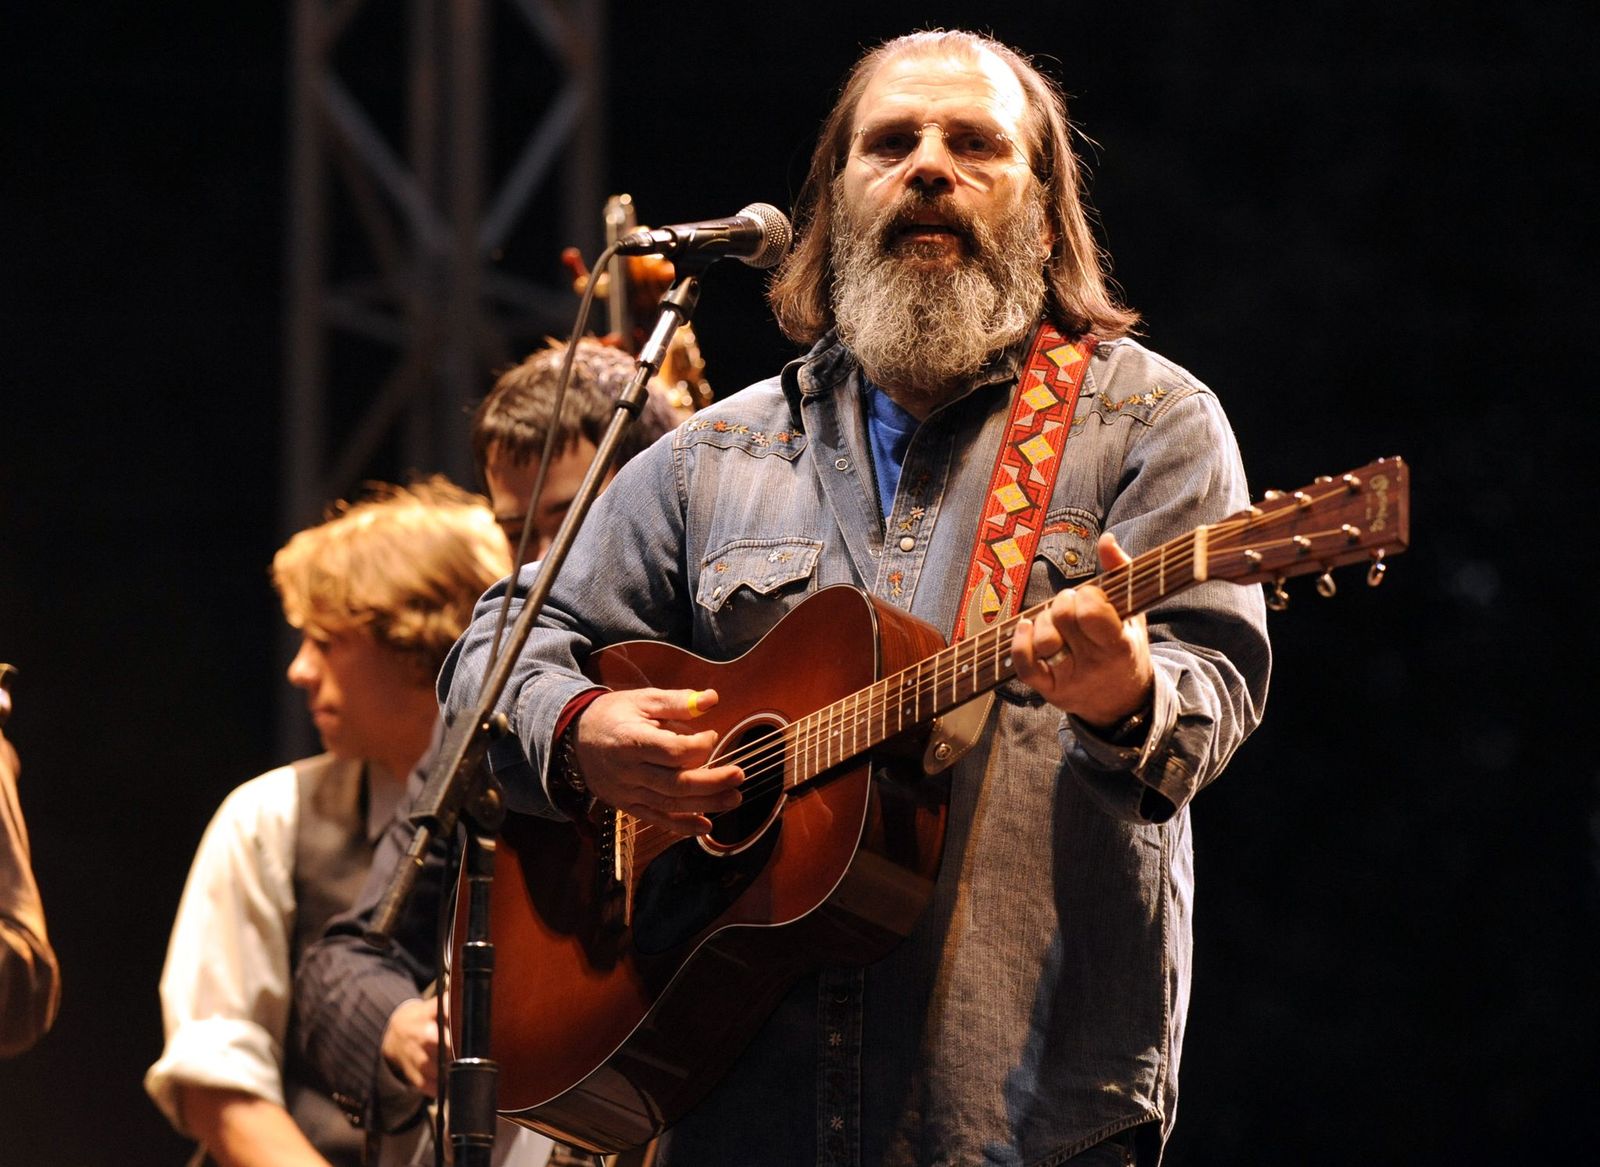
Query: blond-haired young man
point(379, 592)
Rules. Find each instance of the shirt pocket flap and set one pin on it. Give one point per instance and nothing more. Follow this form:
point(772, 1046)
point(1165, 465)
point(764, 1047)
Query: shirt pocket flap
point(764, 566)
point(1067, 545)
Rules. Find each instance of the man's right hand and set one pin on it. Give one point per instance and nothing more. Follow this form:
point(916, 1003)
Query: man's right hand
point(411, 1044)
point(639, 753)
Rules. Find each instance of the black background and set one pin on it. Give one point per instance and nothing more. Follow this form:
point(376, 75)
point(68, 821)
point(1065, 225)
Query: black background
point(1357, 221)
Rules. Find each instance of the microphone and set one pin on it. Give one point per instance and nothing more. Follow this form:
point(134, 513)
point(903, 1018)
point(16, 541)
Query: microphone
point(759, 235)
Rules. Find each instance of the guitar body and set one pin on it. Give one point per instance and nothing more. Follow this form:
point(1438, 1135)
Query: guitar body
point(619, 1001)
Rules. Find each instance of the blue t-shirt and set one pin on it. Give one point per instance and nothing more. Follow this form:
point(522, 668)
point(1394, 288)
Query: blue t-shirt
point(889, 430)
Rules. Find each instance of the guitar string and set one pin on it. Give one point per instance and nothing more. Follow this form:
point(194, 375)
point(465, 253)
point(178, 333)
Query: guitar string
point(919, 672)
point(1154, 563)
point(833, 714)
point(837, 718)
point(815, 733)
point(1128, 580)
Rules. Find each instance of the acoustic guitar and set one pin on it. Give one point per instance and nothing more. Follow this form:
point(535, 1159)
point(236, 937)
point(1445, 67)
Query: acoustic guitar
point(633, 965)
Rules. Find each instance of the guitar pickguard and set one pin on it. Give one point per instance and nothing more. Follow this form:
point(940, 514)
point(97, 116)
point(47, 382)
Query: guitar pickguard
point(686, 887)
point(693, 882)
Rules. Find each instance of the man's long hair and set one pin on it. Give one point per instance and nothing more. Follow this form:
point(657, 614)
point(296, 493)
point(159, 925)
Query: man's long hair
point(1079, 297)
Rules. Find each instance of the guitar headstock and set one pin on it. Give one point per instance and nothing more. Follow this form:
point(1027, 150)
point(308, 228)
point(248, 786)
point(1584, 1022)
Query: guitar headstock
point(1362, 516)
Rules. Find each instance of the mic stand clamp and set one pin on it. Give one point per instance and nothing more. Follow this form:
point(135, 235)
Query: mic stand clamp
point(464, 785)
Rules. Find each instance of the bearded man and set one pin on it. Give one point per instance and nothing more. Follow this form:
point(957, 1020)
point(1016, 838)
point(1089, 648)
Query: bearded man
point(952, 296)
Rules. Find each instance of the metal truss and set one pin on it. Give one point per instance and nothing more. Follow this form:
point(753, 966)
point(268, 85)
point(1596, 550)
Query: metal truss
point(403, 227)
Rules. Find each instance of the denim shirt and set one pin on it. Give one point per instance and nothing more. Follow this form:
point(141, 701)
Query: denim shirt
point(1038, 1005)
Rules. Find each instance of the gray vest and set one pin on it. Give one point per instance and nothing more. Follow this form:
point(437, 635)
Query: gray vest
point(332, 854)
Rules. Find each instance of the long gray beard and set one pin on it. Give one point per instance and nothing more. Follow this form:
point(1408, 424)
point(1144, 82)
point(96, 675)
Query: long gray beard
point(926, 328)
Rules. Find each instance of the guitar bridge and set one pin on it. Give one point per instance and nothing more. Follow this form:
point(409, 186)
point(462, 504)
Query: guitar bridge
point(613, 873)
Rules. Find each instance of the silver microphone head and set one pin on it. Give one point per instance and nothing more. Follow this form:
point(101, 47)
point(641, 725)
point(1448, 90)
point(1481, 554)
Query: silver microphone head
point(777, 234)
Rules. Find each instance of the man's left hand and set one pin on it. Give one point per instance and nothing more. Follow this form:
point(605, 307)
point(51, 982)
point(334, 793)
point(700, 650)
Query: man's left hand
point(1081, 657)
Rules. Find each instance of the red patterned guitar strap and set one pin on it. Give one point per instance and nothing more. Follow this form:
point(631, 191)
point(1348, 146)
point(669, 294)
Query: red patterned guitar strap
point(1014, 510)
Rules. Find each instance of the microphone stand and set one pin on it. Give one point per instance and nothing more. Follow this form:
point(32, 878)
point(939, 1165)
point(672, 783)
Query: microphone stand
point(463, 787)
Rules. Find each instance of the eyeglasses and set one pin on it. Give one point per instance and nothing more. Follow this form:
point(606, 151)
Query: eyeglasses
point(969, 147)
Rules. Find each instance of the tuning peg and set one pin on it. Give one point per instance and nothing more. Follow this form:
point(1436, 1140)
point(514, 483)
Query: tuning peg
point(1375, 572)
point(1326, 587)
point(1277, 598)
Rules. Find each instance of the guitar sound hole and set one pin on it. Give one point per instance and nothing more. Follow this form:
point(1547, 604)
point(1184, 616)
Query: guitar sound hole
point(759, 750)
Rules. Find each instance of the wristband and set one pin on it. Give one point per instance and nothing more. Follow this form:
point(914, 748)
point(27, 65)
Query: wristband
point(568, 790)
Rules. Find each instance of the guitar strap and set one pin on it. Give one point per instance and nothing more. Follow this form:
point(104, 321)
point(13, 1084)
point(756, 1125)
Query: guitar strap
point(1014, 510)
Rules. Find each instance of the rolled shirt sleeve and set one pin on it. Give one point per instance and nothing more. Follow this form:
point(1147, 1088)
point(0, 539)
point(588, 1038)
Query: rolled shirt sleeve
point(226, 985)
point(1208, 644)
